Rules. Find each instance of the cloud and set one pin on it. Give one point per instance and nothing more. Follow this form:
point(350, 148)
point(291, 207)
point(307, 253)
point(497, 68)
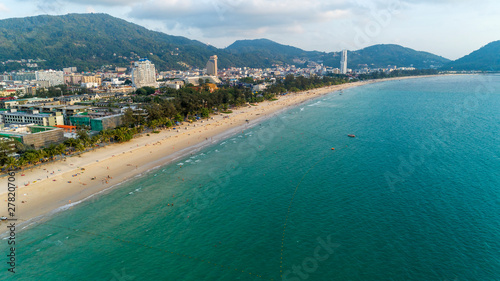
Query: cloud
point(119, 3)
point(3, 8)
point(223, 17)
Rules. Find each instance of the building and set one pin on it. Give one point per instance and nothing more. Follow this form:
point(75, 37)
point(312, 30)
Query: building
point(8, 146)
point(171, 84)
point(97, 124)
point(92, 79)
point(107, 122)
point(35, 137)
point(212, 66)
point(343, 62)
point(69, 69)
point(73, 79)
point(144, 74)
point(24, 76)
point(259, 87)
point(32, 117)
point(196, 80)
point(54, 77)
point(11, 103)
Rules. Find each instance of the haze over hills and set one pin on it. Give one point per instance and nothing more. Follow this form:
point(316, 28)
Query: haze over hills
point(486, 58)
point(90, 41)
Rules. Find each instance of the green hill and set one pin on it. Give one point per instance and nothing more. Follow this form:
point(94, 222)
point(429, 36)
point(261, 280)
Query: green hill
point(389, 54)
point(486, 58)
point(373, 56)
point(265, 46)
point(90, 41)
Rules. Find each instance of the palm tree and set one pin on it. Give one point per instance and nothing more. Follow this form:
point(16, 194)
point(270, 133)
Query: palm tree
point(80, 147)
point(119, 134)
point(72, 143)
point(21, 162)
point(10, 163)
point(60, 148)
point(95, 140)
point(106, 135)
point(41, 154)
point(31, 157)
point(50, 151)
point(20, 146)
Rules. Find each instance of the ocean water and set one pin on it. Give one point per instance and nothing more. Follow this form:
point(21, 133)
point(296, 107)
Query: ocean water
point(414, 196)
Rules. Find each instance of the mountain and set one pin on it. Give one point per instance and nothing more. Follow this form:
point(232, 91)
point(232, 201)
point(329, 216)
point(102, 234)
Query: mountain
point(265, 46)
point(390, 54)
point(374, 56)
point(486, 58)
point(90, 41)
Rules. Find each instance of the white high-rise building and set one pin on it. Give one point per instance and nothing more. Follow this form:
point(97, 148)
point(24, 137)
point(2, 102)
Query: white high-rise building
point(343, 62)
point(212, 66)
point(53, 77)
point(144, 74)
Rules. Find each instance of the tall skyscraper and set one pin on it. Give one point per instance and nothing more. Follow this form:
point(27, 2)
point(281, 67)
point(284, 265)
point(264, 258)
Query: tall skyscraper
point(343, 62)
point(212, 66)
point(144, 74)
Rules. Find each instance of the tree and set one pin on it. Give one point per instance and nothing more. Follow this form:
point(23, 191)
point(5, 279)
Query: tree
point(20, 147)
point(128, 117)
point(119, 134)
point(141, 92)
point(72, 143)
point(107, 135)
point(178, 118)
point(60, 148)
point(149, 90)
point(80, 147)
point(31, 157)
point(83, 135)
point(247, 80)
point(50, 151)
point(10, 163)
point(21, 162)
point(205, 113)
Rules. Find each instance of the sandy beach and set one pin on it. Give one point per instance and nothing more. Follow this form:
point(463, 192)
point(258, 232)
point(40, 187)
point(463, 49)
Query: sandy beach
point(65, 183)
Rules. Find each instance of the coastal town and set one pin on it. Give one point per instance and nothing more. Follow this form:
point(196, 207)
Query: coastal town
point(88, 131)
point(47, 107)
point(249, 140)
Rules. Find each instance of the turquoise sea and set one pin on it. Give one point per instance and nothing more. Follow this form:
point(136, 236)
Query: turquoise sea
point(414, 196)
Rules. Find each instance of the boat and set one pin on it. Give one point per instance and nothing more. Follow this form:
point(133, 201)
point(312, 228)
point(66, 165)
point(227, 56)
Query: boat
point(351, 136)
point(3, 218)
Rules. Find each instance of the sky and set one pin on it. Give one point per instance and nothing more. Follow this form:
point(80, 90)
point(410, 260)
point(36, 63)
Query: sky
point(449, 28)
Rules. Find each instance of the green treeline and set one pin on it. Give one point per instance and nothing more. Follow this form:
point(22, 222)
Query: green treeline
point(30, 157)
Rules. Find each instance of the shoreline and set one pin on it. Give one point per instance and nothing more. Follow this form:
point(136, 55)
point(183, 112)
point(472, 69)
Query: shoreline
point(61, 185)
